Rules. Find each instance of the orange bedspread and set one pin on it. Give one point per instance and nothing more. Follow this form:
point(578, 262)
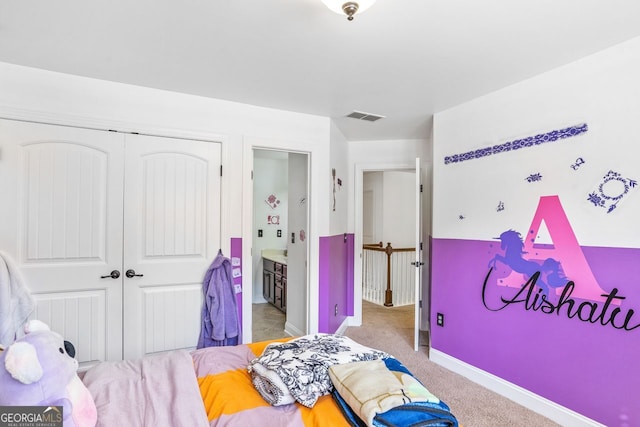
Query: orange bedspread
point(231, 399)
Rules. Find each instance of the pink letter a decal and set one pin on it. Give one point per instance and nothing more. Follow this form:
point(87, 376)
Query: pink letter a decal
point(564, 248)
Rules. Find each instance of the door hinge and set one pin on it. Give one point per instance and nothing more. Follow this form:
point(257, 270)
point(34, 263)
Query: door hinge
point(220, 170)
point(252, 175)
point(420, 304)
point(420, 245)
point(421, 188)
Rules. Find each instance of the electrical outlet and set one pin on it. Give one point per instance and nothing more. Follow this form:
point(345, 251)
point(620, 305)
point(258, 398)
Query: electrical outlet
point(335, 310)
point(440, 319)
point(259, 233)
point(279, 233)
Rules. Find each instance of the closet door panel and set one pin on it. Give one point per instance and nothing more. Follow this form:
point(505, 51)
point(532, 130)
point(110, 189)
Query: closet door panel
point(172, 233)
point(62, 224)
point(65, 187)
point(83, 313)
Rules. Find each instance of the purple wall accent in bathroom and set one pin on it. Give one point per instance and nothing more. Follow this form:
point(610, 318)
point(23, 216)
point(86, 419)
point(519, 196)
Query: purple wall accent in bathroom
point(586, 367)
point(335, 285)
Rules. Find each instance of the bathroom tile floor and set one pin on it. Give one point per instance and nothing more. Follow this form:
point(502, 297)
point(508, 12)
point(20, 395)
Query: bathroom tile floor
point(268, 322)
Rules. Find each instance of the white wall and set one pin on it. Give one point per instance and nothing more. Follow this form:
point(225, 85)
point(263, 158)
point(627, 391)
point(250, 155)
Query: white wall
point(339, 197)
point(399, 207)
point(601, 90)
point(373, 182)
point(394, 206)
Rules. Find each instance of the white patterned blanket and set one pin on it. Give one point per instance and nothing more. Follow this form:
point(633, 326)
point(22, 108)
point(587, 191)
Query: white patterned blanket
point(298, 370)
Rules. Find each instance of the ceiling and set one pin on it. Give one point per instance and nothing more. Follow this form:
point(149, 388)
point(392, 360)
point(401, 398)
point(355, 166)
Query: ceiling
point(403, 59)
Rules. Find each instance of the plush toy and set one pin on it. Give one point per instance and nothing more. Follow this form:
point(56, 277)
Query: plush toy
point(39, 369)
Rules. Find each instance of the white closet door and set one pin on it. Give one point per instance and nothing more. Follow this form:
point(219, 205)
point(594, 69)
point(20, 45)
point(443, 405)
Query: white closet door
point(172, 233)
point(61, 221)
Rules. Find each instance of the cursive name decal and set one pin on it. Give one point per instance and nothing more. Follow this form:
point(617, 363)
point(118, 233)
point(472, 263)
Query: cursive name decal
point(586, 311)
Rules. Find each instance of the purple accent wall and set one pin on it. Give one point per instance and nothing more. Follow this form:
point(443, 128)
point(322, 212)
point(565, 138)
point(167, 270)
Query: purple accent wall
point(236, 252)
point(587, 367)
point(335, 281)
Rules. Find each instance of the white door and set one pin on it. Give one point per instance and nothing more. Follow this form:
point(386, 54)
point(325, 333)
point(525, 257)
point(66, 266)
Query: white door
point(74, 220)
point(297, 244)
point(61, 221)
point(418, 261)
point(171, 235)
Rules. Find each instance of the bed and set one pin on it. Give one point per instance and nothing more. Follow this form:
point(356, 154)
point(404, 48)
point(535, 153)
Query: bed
point(226, 386)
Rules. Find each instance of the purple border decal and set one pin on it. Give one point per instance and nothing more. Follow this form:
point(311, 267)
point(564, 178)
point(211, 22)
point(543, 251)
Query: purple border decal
point(516, 144)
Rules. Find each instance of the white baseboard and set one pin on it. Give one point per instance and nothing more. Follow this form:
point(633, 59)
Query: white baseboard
point(291, 330)
point(560, 414)
point(343, 326)
point(351, 321)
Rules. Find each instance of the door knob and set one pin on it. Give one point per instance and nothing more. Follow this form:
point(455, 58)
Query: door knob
point(114, 275)
point(132, 273)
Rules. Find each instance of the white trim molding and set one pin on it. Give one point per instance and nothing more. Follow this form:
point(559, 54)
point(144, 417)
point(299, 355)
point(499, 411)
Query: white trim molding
point(524, 397)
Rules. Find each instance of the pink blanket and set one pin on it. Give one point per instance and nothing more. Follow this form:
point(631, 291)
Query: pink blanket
point(158, 390)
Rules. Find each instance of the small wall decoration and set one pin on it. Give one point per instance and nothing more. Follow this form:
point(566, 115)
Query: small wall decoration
point(272, 201)
point(534, 177)
point(303, 235)
point(530, 141)
point(333, 175)
point(273, 219)
point(461, 217)
point(500, 207)
point(613, 188)
point(579, 162)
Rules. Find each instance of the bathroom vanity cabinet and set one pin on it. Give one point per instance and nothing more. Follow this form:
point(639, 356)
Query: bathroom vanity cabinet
point(274, 283)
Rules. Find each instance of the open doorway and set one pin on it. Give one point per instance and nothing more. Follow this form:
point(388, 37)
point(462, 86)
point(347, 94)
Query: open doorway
point(279, 244)
point(388, 211)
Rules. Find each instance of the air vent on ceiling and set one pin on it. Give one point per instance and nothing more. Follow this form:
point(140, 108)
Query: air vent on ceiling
point(365, 116)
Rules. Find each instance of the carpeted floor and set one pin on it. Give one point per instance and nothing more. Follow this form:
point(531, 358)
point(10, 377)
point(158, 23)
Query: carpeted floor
point(391, 329)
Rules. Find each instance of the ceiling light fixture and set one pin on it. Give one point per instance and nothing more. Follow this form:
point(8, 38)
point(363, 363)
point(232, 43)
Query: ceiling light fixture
point(349, 8)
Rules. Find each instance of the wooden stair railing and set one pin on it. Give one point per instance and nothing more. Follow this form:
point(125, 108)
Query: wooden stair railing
point(389, 250)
